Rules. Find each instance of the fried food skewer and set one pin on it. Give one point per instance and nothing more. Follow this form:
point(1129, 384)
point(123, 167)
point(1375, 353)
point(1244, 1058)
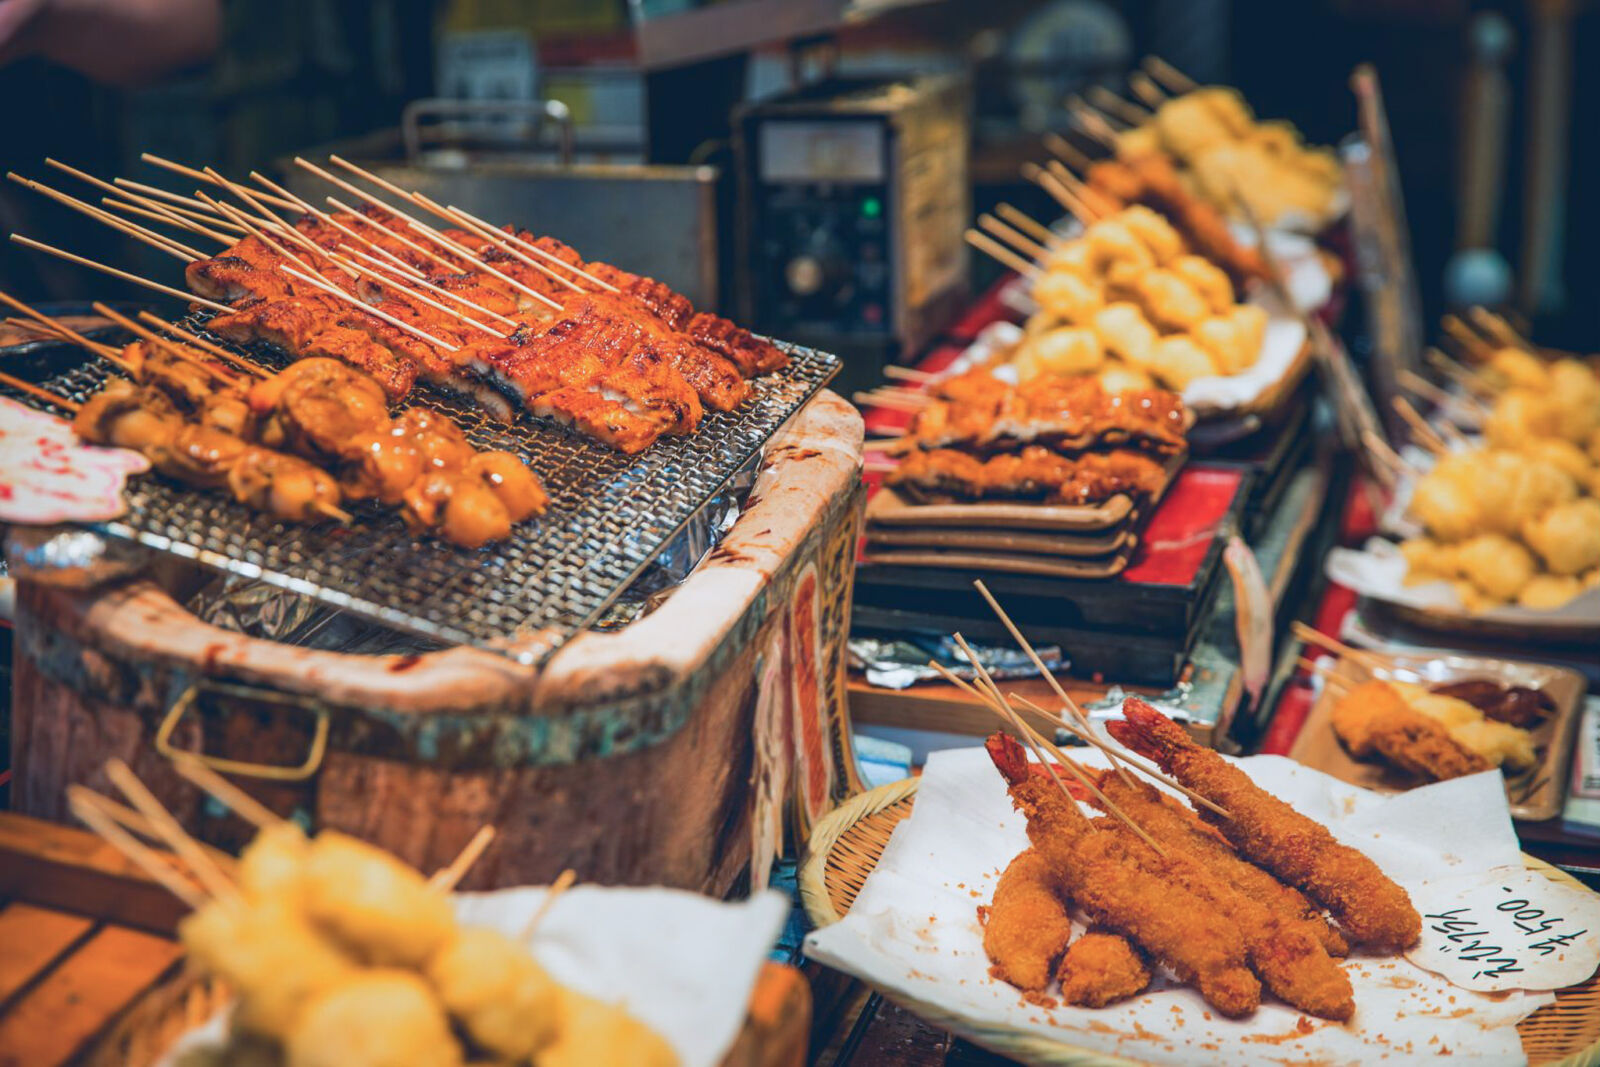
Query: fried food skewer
point(1270, 833)
point(1026, 927)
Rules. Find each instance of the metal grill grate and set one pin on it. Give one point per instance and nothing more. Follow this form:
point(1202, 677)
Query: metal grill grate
point(609, 515)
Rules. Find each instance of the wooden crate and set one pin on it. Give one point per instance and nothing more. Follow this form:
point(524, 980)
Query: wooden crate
point(90, 973)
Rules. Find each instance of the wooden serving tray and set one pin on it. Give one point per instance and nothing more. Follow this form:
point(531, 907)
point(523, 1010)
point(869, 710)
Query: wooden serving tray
point(1001, 540)
point(90, 973)
point(1533, 795)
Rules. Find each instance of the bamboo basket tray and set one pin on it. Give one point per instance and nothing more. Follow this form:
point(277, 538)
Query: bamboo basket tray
point(845, 846)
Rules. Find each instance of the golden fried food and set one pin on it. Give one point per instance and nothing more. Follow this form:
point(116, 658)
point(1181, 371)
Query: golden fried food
point(1101, 968)
point(1207, 279)
point(1176, 361)
point(1120, 378)
point(1158, 236)
point(1374, 721)
point(1497, 565)
point(1565, 455)
point(1567, 536)
point(491, 985)
point(1101, 877)
point(1300, 851)
point(1027, 926)
point(272, 866)
point(1068, 297)
point(1546, 592)
point(1234, 339)
point(1574, 394)
point(1428, 560)
point(1067, 350)
point(592, 1032)
point(376, 907)
point(273, 959)
point(1170, 303)
point(1111, 241)
point(381, 1018)
point(1124, 331)
point(1170, 822)
point(1516, 368)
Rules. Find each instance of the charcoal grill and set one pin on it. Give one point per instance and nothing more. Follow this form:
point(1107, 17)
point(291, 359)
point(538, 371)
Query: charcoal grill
point(609, 516)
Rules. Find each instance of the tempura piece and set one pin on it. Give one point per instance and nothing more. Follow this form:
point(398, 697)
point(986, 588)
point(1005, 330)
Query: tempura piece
point(1428, 560)
point(1567, 536)
point(1574, 399)
point(1565, 455)
point(1125, 332)
point(380, 1018)
point(1517, 368)
point(593, 1032)
point(1374, 721)
point(1065, 351)
point(1112, 241)
point(1157, 234)
point(1027, 926)
point(1107, 882)
point(1268, 832)
point(269, 955)
point(493, 987)
point(1176, 361)
point(1100, 969)
point(378, 908)
point(272, 867)
point(1207, 279)
point(1073, 257)
point(1068, 297)
point(1122, 378)
point(1497, 565)
point(1546, 592)
point(1171, 304)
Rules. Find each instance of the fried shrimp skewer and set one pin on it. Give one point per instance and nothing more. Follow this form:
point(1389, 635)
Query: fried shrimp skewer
point(1101, 968)
point(1027, 927)
point(1268, 832)
point(1176, 826)
point(1101, 875)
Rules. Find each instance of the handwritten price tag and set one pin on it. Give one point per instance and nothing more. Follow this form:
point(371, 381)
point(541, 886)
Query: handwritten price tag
point(1517, 930)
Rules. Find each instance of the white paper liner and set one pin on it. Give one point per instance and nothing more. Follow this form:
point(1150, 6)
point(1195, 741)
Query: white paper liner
point(913, 930)
point(682, 963)
point(1378, 571)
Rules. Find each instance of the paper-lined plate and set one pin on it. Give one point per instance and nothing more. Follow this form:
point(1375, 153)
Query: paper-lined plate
point(1534, 794)
point(1080, 546)
point(905, 893)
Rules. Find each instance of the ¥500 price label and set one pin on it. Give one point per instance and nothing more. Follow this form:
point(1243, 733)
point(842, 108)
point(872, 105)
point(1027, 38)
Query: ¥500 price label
point(1515, 929)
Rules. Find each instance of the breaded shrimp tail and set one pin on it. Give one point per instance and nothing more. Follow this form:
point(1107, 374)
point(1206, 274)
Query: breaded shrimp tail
point(1028, 927)
point(1271, 834)
point(1101, 968)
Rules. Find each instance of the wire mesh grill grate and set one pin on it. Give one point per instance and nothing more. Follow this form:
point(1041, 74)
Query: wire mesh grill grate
point(609, 516)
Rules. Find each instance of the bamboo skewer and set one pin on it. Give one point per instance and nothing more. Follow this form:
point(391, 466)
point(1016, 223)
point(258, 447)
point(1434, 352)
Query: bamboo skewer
point(199, 175)
point(1475, 346)
point(1421, 431)
point(460, 215)
point(1023, 244)
point(1168, 75)
point(358, 271)
point(60, 327)
point(1125, 110)
point(424, 283)
point(1146, 89)
point(324, 217)
point(562, 883)
point(172, 834)
point(277, 224)
point(226, 793)
point(334, 291)
point(1069, 154)
point(172, 201)
point(1471, 380)
point(1095, 124)
point(1099, 204)
point(165, 214)
point(984, 243)
point(1063, 195)
point(447, 266)
point(204, 345)
point(258, 232)
point(1499, 329)
point(115, 273)
point(1067, 703)
point(1362, 657)
point(39, 394)
point(501, 241)
point(1416, 384)
point(169, 346)
point(140, 854)
point(1029, 225)
point(446, 879)
point(176, 249)
point(153, 215)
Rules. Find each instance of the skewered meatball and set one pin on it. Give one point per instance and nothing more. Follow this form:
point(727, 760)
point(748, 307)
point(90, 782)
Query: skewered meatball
point(125, 415)
point(1234, 340)
point(1124, 332)
point(1155, 231)
point(1546, 592)
point(1497, 565)
point(516, 487)
point(502, 998)
point(376, 907)
point(383, 1018)
point(1068, 297)
point(1171, 304)
point(1567, 536)
point(1207, 279)
point(282, 485)
point(1177, 361)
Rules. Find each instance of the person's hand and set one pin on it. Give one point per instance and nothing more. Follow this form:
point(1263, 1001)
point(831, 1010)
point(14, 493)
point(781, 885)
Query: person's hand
point(16, 16)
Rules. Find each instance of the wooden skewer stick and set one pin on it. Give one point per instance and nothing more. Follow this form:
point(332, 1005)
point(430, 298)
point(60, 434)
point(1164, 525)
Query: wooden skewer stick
point(332, 511)
point(594, 280)
point(37, 393)
point(1168, 75)
point(334, 291)
point(1471, 380)
point(562, 883)
point(447, 878)
point(115, 273)
point(182, 252)
point(170, 346)
point(173, 220)
point(258, 231)
point(424, 283)
point(226, 793)
point(1125, 110)
point(1099, 204)
point(1469, 339)
point(1315, 669)
point(323, 216)
point(388, 231)
point(1069, 154)
point(1499, 329)
point(412, 294)
point(278, 225)
point(1077, 769)
point(200, 175)
point(1145, 89)
point(205, 346)
point(909, 374)
point(1027, 224)
point(891, 401)
point(165, 214)
point(1126, 757)
point(1062, 195)
point(984, 243)
point(1023, 244)
point(140, 854)
point(55, 324)
point(173, 200)
point(1310, 636)
point(1415, 383)
point(1093, 122)
point(1421, 431)
point(500, 240)
point(1068, 705)
point(187, 848)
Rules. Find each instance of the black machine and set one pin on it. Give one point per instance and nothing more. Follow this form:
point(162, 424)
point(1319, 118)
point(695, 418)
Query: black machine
point(853, 198)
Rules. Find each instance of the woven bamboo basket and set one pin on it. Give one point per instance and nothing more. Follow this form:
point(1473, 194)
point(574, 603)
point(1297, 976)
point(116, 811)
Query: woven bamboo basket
point(845, 846)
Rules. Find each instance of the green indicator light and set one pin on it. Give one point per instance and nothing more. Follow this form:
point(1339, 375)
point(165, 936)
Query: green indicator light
point(871, 207)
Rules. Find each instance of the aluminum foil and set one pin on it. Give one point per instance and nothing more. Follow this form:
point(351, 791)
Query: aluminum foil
point(903, 662)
